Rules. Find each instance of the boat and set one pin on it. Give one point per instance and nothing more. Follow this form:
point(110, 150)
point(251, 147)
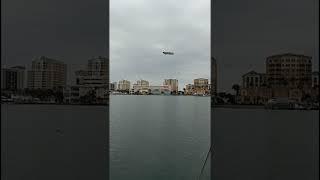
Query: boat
point(280, 103)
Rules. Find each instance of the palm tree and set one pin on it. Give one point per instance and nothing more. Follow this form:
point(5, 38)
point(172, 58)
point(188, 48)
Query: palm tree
point(236, 87)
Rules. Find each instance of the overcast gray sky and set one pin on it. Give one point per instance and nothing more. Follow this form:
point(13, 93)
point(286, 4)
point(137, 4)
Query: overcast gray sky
point(140, 30)
point(245, 32)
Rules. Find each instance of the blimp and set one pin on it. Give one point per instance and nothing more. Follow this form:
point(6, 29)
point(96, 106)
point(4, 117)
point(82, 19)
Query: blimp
point(167, 53)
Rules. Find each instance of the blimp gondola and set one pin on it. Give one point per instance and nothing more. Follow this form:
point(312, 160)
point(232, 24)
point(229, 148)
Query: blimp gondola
point(167, 53)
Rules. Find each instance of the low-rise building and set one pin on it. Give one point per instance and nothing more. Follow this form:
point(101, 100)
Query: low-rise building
point(254, 89)
point(157, 90)
point(141, 87)
point(258, 95)
point(86, 94)
point(253, 79)
point(92, 84)
point(71, 94)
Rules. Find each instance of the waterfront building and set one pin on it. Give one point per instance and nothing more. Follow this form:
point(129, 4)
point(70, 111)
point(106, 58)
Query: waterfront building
point(141, 86)
point(124, 85)
point(71, 94)
point(287, 76)
point(201, 86)
point(173, 84)
point(255, 95)
point(289, 70)
point(96, 73)
point(86, 94)
point(13, 78)
point(253, 79)
point(47, 73)
point(113, 86)
point(94, 81)
point(255, 89)
point(214, 77)
point(189, 90)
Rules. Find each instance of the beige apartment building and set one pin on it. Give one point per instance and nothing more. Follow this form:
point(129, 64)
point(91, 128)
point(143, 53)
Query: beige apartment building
point(289, 70)
point(173, 84)
point(201, 86)
point(124, 85)
point(47, 73)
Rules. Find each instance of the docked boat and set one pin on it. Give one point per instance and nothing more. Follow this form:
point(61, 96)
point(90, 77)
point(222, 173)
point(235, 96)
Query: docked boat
point(281, 103)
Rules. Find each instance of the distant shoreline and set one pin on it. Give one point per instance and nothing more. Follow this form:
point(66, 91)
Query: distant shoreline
point(220, 106)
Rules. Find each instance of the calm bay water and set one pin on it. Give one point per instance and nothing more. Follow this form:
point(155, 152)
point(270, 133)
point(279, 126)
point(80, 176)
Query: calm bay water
point(159, 137)
point(163, 137)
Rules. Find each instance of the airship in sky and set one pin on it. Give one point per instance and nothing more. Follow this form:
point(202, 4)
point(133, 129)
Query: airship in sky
point(167, 53)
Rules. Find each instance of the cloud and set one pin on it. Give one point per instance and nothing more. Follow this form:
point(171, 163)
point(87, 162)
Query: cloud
point(141, 30)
